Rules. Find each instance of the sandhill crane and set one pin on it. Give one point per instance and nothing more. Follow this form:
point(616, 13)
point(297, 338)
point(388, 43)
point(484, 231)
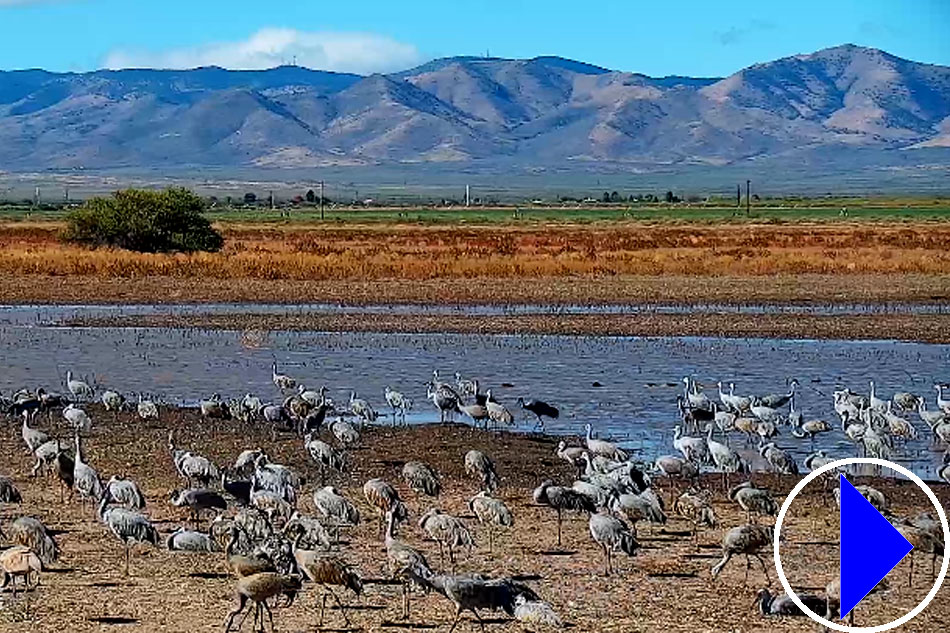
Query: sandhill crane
point(311, 397)
point(726, 460)
point(327, 571)
point(465, 387)
point(755, 501)
point(540, 409)
point(85, 478)
point(874, 496)
point(673, 466)
point(612, 535)
point(875, 444)
point(645, 506)
point(199, 500)
point(312, 533)
point(492, 513)
point(277, 478)
point(127, 526)
point(446, 530)
point(497, 412)
point(733, 403)
point(193, 467)
point(816, 460)
point(445, 399)
point(112, 400)
point(942, 404)
point(281, 381)
point(693, 397)
point(778, 459)
point(240, 489)
point(748, 540)
point(693, 449)
point(362, 409)
point(478, 464)
point(345, 433)
point(147, 409)
point(45, 454)
point(603, 447)
point(398, 402)
point(184, 540)
point(33, 438)
point(748, 426)
point(20, 562)
point(562, 499)
point(570, 454)
point(32, 533)
point(926, 539)
point(810, 429)
point(245, 565)
point(944, 471)
point(214, 407)
point(384, 498)
point(784, 605)
point(898, 427)
point(905, 401)
point(259, 588)
point(422, 478)
point(777, 401)
point(77, 418)
point(833, 598)
point(696, 509)
point(405, 562)
point(930, 418)
point(125, 492)
point(65, 472)
point(78, 388)
point(478, 413)
point(323, 454)
point(272, 505)
point(335, 508)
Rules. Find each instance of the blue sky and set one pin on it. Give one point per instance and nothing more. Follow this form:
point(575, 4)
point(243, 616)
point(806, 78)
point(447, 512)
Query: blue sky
point(701, 38)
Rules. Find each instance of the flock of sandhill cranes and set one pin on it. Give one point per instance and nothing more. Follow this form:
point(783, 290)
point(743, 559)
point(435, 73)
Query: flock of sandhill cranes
point(272, 547)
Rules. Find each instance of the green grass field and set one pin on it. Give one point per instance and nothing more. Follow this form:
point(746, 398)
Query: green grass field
point(767, 211)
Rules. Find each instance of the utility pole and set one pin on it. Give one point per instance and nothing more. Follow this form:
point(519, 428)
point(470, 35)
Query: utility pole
point(36, 196)
point(468, 195)
point(271, 197)
point(66, 196)
point(738, 196)
point(748, 197)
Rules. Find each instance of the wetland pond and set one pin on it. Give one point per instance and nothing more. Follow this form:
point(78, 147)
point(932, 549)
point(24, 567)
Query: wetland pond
point(625, 386)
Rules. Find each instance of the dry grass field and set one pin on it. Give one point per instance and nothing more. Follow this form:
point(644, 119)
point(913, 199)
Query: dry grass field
point(666, 587)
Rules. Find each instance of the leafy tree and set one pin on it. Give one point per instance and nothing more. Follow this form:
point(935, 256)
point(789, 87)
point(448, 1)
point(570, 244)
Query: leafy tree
point(311, 196)
point(606, 196)
point(669, 196)
point(250, 197)
point(615, 197)
point(144, 221)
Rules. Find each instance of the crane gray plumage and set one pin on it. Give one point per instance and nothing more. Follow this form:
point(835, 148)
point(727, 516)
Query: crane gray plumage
point(362, 409)
point(398, 402)
point(45, 455)
point(112, 400)
point(384, 498)
point(78, 388)
point(147, 409)
point(345, 433)
point(32, 533)
point(478, 464)
point(755, 501)
point(77, 418)
point(281, 381)
point(781, 462)
point(185, 540)
point(274, 506)
point(603, 447)
point(326, 458)
point(694, 449)
point(497, 412)
point(613, 535)
point(748, 540)
point(422, 478)
point(276, 478)
point(536, 613)
point(33, 438)
point(127, 526)
point(562, 499)
point(125, 492)
point(199, 500)
point(445, 399)
point(192, 466)
point(492, 513)
point(696, 509)
point(334, 507)
point(540, 409)
point(313, 535)
point(448, 531)
point(645, 506)
point(405, 563)
point(85, 478)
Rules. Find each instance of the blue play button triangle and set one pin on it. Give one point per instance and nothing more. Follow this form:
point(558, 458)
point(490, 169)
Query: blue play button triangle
point(870, 546)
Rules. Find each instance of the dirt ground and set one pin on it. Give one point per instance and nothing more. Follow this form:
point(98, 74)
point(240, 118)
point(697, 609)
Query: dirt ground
point(666, 587)
point(927, 328)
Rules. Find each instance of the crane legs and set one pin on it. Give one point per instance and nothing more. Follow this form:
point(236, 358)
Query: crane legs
point(609, 567)
point(458, 617)
point(327, 591)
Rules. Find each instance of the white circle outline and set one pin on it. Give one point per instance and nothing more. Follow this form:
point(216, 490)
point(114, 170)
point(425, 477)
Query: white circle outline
point(778, 561)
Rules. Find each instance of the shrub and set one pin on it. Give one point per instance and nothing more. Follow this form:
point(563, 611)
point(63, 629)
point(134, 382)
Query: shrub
point(144, 221)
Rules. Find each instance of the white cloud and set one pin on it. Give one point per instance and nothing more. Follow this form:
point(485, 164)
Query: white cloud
point(362, 53)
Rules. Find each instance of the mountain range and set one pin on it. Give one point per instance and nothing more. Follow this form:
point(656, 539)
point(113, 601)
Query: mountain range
point(470, 111)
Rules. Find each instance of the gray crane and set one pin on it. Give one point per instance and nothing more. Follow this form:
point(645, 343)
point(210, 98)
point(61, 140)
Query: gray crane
point(79, 389)
point(422, 478)
point(85, 478)
point(748, 540)
point(327, 571)
point(362, 409)
point(478, 464)
point(613, 535)
point(645, 506)
point(193, 467)
point(125, 492)
point(562, 499)
point(398, 402)
point(32, 533)
point(326, 458)
point(446, 530)
point(33, 438)
point(696, 509)
point(127, 526)
point(755, 501)
point(779, 460)
point(198, 500)
point(259, 588)
point(492, 513)
point(405, 562)
point(185, 540)
point(784, 605)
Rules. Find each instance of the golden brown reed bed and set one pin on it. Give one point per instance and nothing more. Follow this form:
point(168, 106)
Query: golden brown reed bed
point(165, 594)
point(297, 252)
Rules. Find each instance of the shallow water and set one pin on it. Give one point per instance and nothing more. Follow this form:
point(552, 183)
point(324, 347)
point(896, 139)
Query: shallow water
point(640, 377)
